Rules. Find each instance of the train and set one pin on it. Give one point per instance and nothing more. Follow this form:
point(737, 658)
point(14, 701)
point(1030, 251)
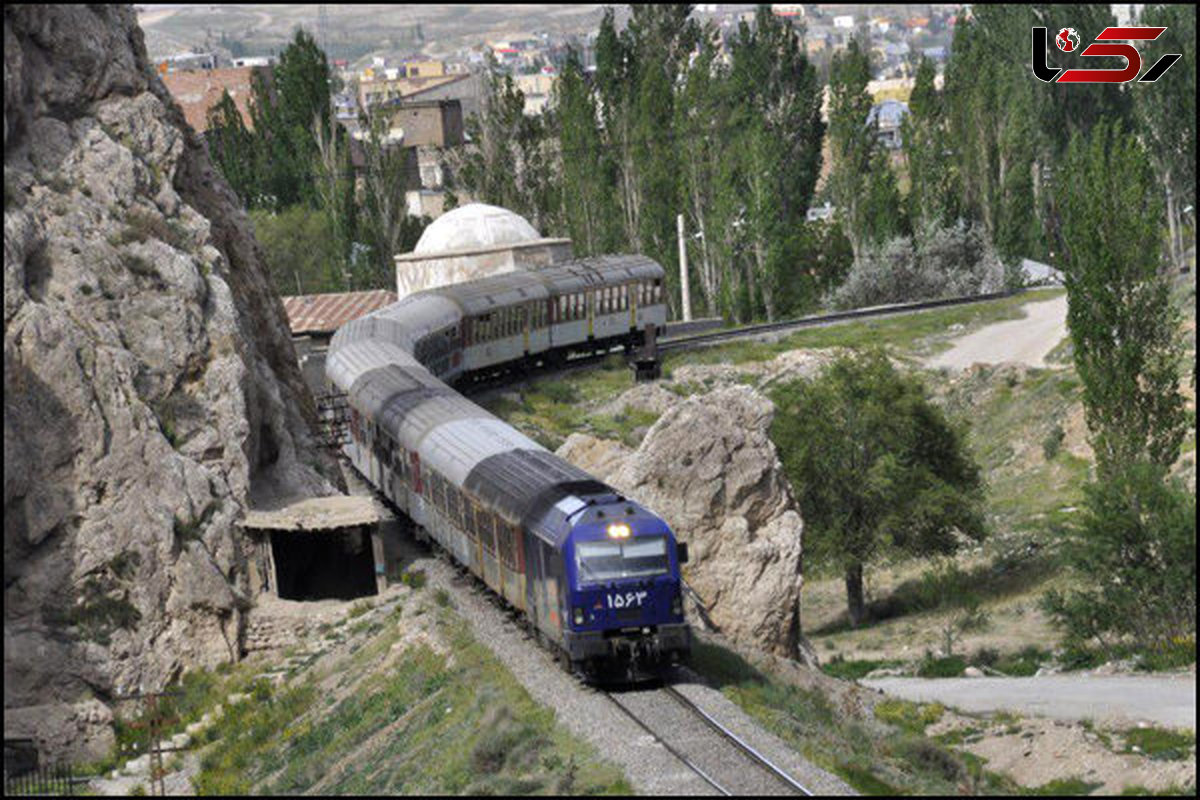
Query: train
point(595, 574)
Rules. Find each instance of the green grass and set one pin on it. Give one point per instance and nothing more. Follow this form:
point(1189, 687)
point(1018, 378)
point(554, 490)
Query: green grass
point(1065, 787)
point(947, 667)
point(909, 716)
point(1160, 744)
point(873, 756)
point(424, 725)
point(904, 333)
point(1173, 790)
point(853, 670)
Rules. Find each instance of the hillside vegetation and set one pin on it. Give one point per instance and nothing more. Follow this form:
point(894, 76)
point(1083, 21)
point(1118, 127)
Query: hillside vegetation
point(398, 698)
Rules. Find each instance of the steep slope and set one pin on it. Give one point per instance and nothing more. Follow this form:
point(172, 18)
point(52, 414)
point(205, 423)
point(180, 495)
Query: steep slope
point(151, 389)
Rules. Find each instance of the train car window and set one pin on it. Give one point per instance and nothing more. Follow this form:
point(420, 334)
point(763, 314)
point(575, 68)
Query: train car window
point(487, 531)
point(452, 502)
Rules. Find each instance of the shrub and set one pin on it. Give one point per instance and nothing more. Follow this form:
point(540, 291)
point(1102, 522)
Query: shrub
point(942, 262)
point(413, 578)
point(1135, 550)
point(1053, 442)
point(908, 716)
point(947, 667)
point(853, 670)
point(1160, 744)
point(558, 391)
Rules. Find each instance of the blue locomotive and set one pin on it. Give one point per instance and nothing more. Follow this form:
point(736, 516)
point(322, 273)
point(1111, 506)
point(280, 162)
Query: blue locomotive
point(595, 574)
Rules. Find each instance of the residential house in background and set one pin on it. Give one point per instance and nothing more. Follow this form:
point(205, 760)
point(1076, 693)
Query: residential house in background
point(197, 91)
point(537, 89)
point(887, 117)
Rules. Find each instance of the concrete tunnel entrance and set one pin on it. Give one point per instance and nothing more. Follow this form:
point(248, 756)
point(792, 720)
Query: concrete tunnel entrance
point(318, 549)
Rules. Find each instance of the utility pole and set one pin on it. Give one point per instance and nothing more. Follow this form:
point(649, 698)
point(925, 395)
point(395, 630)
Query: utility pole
point(683, 271)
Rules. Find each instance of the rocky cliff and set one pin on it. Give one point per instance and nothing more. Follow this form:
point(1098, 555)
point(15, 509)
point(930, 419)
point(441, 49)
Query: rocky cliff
point(151, 390)
point(709, 468)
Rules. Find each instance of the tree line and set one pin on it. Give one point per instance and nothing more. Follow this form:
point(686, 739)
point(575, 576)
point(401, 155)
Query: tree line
point(730, 134)
point(324, 225)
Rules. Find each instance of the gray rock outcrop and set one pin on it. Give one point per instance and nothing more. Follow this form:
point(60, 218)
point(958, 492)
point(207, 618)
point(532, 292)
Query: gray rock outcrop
point(151, 389)
point(708, 467)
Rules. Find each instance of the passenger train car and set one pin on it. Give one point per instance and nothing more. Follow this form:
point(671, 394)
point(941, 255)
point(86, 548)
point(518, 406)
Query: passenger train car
point(596, 574)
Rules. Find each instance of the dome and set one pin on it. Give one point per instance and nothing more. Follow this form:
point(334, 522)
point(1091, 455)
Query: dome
point(474, 227)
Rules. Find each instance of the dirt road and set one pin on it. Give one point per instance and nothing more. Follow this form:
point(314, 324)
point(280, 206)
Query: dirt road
point(1026, 340)
point(1169, 701)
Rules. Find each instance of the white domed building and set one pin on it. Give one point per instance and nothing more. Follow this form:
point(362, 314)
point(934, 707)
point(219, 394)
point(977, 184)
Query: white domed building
point(475, 241)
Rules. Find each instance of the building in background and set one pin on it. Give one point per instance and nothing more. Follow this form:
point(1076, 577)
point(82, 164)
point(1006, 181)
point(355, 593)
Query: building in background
point(198, 90)
point(475, 241)
point(314, 318)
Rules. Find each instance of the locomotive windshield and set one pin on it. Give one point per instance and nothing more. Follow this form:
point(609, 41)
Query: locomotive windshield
point(633, 558)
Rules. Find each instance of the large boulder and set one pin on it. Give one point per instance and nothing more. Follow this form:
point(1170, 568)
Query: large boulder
point(151, 389)
point(709, 468)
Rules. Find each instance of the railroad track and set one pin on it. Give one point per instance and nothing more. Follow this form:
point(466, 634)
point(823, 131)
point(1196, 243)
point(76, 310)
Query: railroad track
point(718, 756)
point(717, 337)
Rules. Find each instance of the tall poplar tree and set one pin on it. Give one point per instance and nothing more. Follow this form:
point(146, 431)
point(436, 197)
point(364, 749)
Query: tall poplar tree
point(923, 133)
point(586, 174)
point(1123, 325)
point(780, 147)
point(863, 186)
point(1166, 111)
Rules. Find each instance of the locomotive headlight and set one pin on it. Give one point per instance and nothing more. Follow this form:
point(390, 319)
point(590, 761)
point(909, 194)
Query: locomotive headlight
point(677, 605)
point(577, 616)
point(619, 530)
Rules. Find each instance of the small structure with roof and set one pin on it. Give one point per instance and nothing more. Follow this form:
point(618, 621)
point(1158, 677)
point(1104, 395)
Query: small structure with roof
point(319, 548)
point(475, 241)
point(314, 318)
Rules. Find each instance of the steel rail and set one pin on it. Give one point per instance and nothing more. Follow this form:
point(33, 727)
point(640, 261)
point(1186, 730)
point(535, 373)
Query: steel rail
point(725, 733)
point(686, 761)
point(686, 342)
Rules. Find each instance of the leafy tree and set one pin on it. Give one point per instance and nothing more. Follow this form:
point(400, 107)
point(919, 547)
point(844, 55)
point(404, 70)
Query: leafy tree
point(384, 223)
point(877, 468)
point(779, 139)
point(1122, 323)
point(863, 186)
point(285, 111)
point(299, 248)
point(923, 132)
point(660, 37)
point(1166, 111)
point(507, 163)
point(232, 147)
point(587, 175)
point(1135, 551)
point(704, 110)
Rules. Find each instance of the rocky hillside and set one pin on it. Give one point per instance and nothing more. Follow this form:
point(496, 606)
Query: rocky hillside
point(151, 391)
point(708, 466)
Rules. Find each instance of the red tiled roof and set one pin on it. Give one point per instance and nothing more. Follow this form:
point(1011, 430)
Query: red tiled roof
point(198, 90)
point(325, 313)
